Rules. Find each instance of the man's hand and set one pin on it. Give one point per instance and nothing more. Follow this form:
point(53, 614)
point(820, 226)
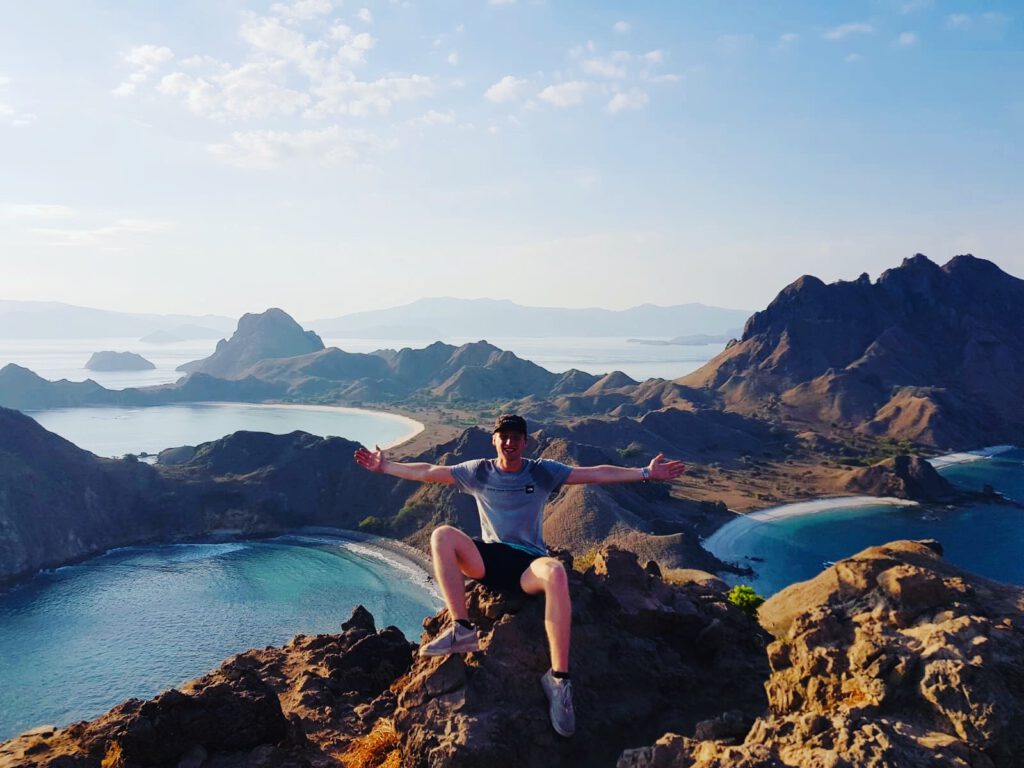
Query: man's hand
point(373, 461)
point(661, 469)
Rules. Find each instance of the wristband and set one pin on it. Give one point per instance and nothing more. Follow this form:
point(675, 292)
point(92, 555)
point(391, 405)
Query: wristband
point(645, 474)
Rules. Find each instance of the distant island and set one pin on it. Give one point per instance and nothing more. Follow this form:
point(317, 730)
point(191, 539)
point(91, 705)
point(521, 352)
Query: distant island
point(118, 361)
point(692, 340)
point(178, 333)
point(442, 318)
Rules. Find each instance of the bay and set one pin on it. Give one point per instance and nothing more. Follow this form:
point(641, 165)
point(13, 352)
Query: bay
point(984, 538)
point(78, 640)
point(115, 431)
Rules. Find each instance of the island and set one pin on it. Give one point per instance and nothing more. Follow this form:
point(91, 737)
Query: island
point(118, 361)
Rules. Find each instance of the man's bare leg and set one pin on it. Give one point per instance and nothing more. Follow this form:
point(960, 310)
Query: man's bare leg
point(547, 575)
point(455, 556)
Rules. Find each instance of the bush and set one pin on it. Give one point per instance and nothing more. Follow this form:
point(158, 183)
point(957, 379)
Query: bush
point(372, 524)
point(746, 599)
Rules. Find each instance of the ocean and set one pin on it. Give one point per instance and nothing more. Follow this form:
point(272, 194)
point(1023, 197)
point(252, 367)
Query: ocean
point(987, 539)
point(78, 640)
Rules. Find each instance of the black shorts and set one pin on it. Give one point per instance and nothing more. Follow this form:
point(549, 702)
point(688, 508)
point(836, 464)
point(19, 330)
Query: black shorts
point(503, 565)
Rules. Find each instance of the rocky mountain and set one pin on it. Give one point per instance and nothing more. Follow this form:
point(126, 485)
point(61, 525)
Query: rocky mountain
point(270, 334)
point(439, 318)
point(658, 656)
point(118, 361)
point(891, 658)
point(926, 353)
point(247, 483)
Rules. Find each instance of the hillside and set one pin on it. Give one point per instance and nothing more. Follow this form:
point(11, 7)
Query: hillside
point(926, 353)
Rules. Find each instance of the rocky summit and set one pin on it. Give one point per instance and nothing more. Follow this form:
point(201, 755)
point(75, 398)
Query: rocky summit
point(268, 335)
point(649, 656)
point(925, 353)
point(892, 657)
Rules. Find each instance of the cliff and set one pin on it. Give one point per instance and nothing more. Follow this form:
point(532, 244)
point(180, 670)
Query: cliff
point(926, 353)
point(892, 658)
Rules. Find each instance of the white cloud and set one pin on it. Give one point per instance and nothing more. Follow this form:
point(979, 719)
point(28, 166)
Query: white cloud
point(302, 10)
point(634, 99)
point(788, 39)
point(906, 39)
point(37, 211)
point(568, 94)
point(109, 235)
point(507, 89)
point(145, 60)
point(655, 57)
point(612, 66)
point(845, 30)
point(264, 150)
point(989, 19)
point(853, 57)
point(622, 27)
point(501, 2)
point(453, 58)
point(365, 16)
point(433, 117)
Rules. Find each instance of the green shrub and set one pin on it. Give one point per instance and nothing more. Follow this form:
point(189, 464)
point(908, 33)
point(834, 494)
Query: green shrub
point(371, 524)
point(631, 450)
point(746, 599)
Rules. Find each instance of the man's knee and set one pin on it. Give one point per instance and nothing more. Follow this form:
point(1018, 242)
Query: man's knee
point(553, 574)
point(444, 537)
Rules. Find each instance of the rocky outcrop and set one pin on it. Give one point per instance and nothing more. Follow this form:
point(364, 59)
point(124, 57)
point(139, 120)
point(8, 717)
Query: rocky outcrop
point(903, 477)
point(271, 334)
point(891, 658)
point(118, 361)
point(926, 353)
point(648, 656)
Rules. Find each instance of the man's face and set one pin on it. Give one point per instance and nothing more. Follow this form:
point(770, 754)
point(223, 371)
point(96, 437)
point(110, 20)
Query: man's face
point(509, 444)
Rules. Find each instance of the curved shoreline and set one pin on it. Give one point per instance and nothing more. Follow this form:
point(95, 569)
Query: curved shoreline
point(721, 543)
point(413, 427)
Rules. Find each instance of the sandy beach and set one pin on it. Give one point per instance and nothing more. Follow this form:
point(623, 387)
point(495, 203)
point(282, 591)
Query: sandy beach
point(408, 561)
point(959, 458)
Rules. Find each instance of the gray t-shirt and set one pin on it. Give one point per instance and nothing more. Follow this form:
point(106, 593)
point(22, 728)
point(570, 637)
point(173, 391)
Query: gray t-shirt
point(511, 504)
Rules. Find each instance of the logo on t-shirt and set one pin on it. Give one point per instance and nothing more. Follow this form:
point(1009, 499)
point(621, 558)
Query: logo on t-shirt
point(529, 489)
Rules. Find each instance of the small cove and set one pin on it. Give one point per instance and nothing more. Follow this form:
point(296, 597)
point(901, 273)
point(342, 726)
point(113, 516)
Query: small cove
point(138, 620)
point(984, 538)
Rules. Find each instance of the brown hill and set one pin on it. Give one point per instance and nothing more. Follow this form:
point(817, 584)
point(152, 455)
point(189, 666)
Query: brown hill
point(926, 353)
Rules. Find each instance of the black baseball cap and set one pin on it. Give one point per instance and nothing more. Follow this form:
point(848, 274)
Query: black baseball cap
point(510, 422)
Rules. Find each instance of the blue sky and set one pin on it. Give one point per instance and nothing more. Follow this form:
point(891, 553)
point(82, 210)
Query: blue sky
point(329, 157)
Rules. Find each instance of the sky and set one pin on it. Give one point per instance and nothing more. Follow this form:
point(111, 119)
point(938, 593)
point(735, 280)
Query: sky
point(334, 156)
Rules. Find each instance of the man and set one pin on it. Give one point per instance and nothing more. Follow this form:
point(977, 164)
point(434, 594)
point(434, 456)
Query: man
point(510, 493)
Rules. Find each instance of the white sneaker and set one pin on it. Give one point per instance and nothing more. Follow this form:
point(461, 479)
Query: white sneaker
point(457, 639)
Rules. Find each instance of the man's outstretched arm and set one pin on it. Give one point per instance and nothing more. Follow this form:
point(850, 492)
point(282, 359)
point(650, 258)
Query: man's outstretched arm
point(659, 469)
point(376, 461)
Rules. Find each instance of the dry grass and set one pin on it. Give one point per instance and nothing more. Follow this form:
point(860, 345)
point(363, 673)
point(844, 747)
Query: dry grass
point(377, 749)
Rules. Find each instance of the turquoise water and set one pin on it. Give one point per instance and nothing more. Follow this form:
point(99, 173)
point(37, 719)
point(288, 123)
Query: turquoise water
point(117, 431)
point(987, 539)
point(77, 641)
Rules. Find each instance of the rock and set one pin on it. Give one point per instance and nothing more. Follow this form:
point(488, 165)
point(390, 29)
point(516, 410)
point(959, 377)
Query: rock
point(118, 361)
point(891, 657)
point(271, 334)
point(904, 477)
point(171, 457)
